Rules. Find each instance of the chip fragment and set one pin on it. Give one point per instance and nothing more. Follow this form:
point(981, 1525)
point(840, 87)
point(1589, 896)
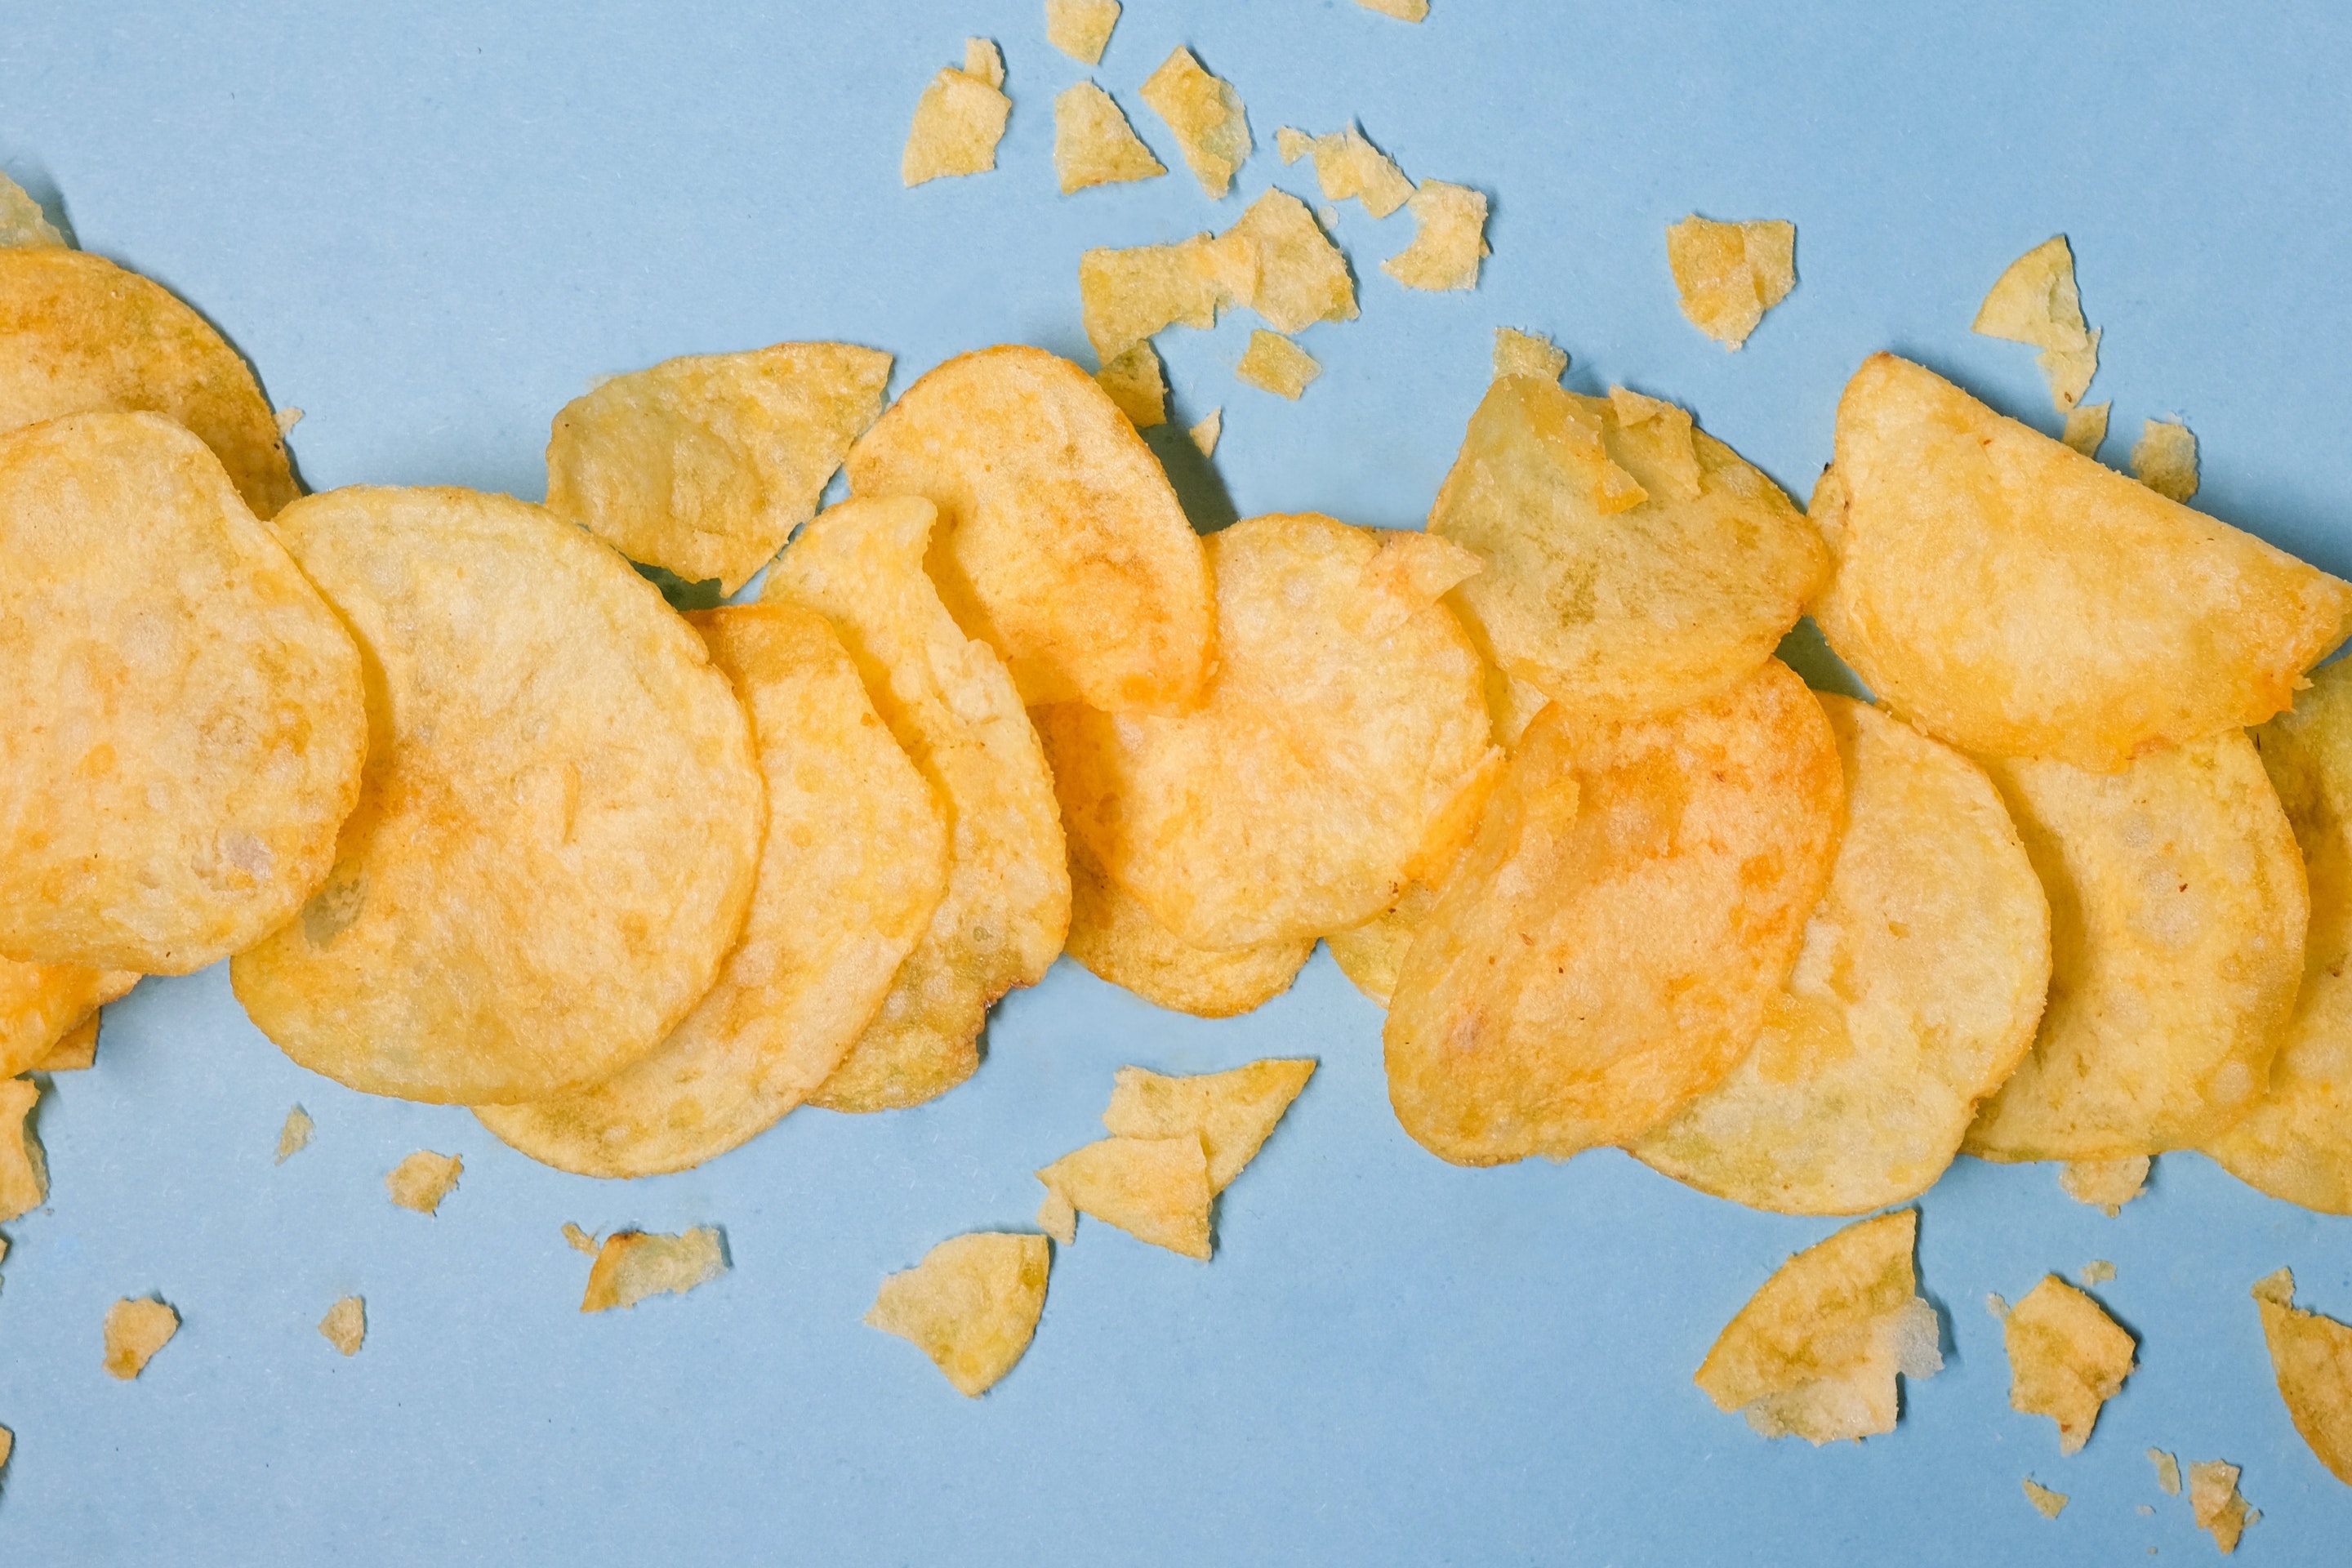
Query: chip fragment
point(1205, 113)
point(75, 1051)
point(345, 1325)
point(2164, 458)
point(577, 1239)
point(2214, 1502)
point(421, 1181)
point(22, 225)
point(972, 1305)
point(2086, 428)
point(135, 1330)
point(1155, 1189)
point(2105, 1184)
point(2066, 1358)
point(1402, 10)
point(2047, 1503)
point(1120, 940)
point(1204, 435)
point(1134, 381)
point(633, 1265)
point(1290, 272)
point(1094, 144)
point(1449, 238)
point(1232, 1113)
point(1347, 164)
point(1274, 364)
point(1814, 1353)
point(2035, 301)
point(1081, 28)
point(2097, 1271)
point(959, 120)
point(1057, 1218)
point(40, 1004)
point(1127, 295)
point(294, 1135)
point(2167, 1471)
point(23, 1171)
point(1729, 274)
point(1528, 355)
point(2311, 1356)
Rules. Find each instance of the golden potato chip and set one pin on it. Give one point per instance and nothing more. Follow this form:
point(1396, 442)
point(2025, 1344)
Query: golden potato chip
point(1094, 144)
point(972, 1305)
point(1402, 10)
point(2017, 599)
point(1127, 295)
point(557, 836)
point(423, 1180)
point(2066, 1358)
point(1081, 28)
point(2047, 1503)
point(1608, 947)
point(1372, 954)
point(1661, 433)
point(703, 466)
point(2105, 1184)
point(854, 833)
point(2178, 910)
point(1528, 353)
point(2086, 428)
point(23, 1171)
point(1607, 585)
point(1205, 113)
point(84, 336)
point(2036, 302)
point(1204, 435)
point(1815, 1353)
point(22, 223)
point(577, 1239)
point(2167, 1471)
point(1120, 940)
point(1914, 996)
point(1134, 381)
point(2312, 1358)
point(1057, 1218)
point(1346, 165)
point(1060, 543)
point(40, 1004)
point(75, 1051)
point(1729, 274)
point(184, 732)
point(135, 1331)
point(2214, 1502)
point(958, 120)
point(1449, 238)
point(295, 1136)
point(1232, 1113)
point(633, 1265)
point(950, 704)
point(1274, 364)
point(1155, 1189)
point(1346, 714)
point(2164, 458)
point(345, 1325)
point(1296, 276)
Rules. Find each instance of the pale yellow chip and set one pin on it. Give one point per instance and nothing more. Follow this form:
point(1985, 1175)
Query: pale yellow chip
point(1294, 275)
point(950, 702)
point(2312, 1358)
point(560, 826)
point(1060, 543)
point(1914, 996)
point(972, 1305)
point(1293, 144)
point(85, 336)
point(1274, 364)
point(181, 731)
point(1610, 946)
point(2047, 1503)
point(1232, 1113)
point(287, 419)
point(135, 1331)
point(345, 1325)
point(2086, 428)
point(1371, 955)
point(1346, 165)
point(2105, 1184)
point(1205, 434)
point(2164, 458)
point(2066, 1358)
point(23, 223)
point(421, 1181)
point(1155, 1189)
point(633, 1265)
point(1449, 238)
point(958, 120)
point(24, 1170)
point(1402, 10)
point(1120, 940)
point(577, 1239)
point(2097, 1271)
point(1815, 1353)
point(1205, 113)
point(1346, 714)
point(704, 466)
point(2017, 599)
point(77, 1048)
point(2177, 913)
point(2036, 302)
point(1996, 1306)
point(1135, 382)
point(1127, 295)
point(855, 834)
point(1606, 586)
point(1528, 353)
point(1081, 28)
point(294, 1135)
point(2214, 1502)
point(1094, 144)
point(1729, 274)
point(983, 60)
point(2167, 1471)
point(1058, 1219)
point(40, 1004)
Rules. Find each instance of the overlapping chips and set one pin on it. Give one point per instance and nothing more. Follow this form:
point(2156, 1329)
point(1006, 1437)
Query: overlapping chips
point(972, 1305)
point(1232, 1113)
point(1346, 165)
point(1155, 1189)
point(2215, 1504)
point(1120, 940)
point(41, 1003)
point(2067, 1359)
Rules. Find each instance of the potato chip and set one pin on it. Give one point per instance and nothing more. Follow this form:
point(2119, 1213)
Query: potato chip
point(2164, 458)
point(855, 832)
point(2167, 1471)
point(40, 1004)
point(1206, 115)
point(135, 1331)
point(1134, 381)
point(1274, 364)
point(2312, 1358)
point(1120, 940)
point(1060, 543)
point(76, 1050)
point(1914, 996)
point(1127, 295)
point(2086, 428)
point(1814, 1353)
point(423, 1180)
point(2047, 1503)
point(958, 120)
point(972, 1305)
point(294, 1135)
point(633, 1265)
point(984, 61)
point(1204, 435)
point(1094, 144)
point(1232, 1113)
point(950, 704)
point(1449, 238)
point(345, 1325)
point(1661, 432)
point(23, 223)
point(577, 1239)
point(1155, 1189)
point(2106, 1185)
point(1296, 277)
point(557, 836)
point(2066, 1358)
point(2214, 1502)
point(1345, 165)
point(703, 466)
point(2178, 909)
point(23, 1171)
point(184, 732)
point(1347, 715)
point(84, 336)
point(1528, 355)
point(2017, 599)
point(1402, 10)
point(1081, 28)
point(2036, 302)
point(1372, 954)
point(1057, 1218)
point(1729, 274)
point(1607, 585)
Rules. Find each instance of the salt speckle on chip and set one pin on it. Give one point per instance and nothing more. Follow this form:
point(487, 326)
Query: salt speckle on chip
point(972, 1305)
point(135, 1330)
point(1094, 144)
point(1081, 28)
point(2164, 458)
point(1729, 274)
point(1274, 364)
point(423, 1180)
point(1448, 244)
point(633, 1265)
point(1205, 113)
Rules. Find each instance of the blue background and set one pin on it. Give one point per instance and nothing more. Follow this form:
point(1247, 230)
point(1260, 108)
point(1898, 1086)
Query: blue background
point(430, 224)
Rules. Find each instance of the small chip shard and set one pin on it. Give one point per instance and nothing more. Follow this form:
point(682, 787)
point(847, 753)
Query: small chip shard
point(2164, 458)
point(75, 1051)
point(2086, 428)
point(2067, 1359)
point(959, 120)
point(1081, 28)
point(1155, 1189)
point(1449, 243)
point(1057, 1218)
point(972, 1305)
point(1528, 353)
point(1204, 435)
point(345, 1325)
point(2098, 1271)
point(1402, 10)
point(423, 1180)
point(1347, 164)
point(2167, 1471)
point(1095, 145)
point(1729, 274)
point(135, 1331)
point(1134, 381)
point(1232, 1113)
point(577, 1239)
point(2311, 1356)
point(287, 419)
point(1997, 1306)
point(24, 1172)
point(2035, 301)
point(295, 1136)
point(1211, 126)
point(983, 61)
point(1274, 364)
point(22, 225)
point(633, 1265)
point(2049, 1503)
point(2214, 1502)
point(2105, 1184)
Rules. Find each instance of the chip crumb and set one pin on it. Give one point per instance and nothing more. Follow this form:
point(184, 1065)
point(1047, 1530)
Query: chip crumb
point(984, 61)
point(2167, 1471)
point(1204, 435)
point(633, 1265)
point(1081, 28)
point(77, 1048)
point(2164, 458)
point(2277, 1288)
point(423, 1180)
point(2067, 1359)
point(579, 1239)
point(22, 225)
point(1997, 1305)
point(1095, 145)
point(1057, 1218)
point(959, 120)
point(2105, 1184)
point(1212, 128)
point(1528, 353)
point(2098, 1271)
point(1329, 216)
point(2143, 1510)
point(972, 1305)
point(1155, 1189)
point(2086, 428)
point(1274, 364)
point(1232, 1113)
point(2035, 301)
point(2214, 1502)
point(135, 1331)
point(23, 1171)
point(345, 1325)
point(2050, 1504)
point(295, 1136)
point(1402, 10)
point(1729, 274)
point(287, 419)
point(1134, 381)
point(1348, 164)
point(1449, 242)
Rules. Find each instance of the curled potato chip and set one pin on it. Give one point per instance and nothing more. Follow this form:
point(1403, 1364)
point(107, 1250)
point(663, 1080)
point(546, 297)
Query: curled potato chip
point(1449, 241)
point(1060, 544)
point(703, 466)
point(1346, 714)
point(560, 822)
point(2017, 599)
point(950, 702)
point(1914, 996)
point(1094, 144)
point(972, 1305)
point(2177, 915)
point(1611, 943)
point(855, 834)
point(1117, 938)
point(1206, 115)
point(1609, 583)
point(182, 731)
point(1729, 274)
point(40, 1004)
point(2311, 1356)
point(2067, 1359)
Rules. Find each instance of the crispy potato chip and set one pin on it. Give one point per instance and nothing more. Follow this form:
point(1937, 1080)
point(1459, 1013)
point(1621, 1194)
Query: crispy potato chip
point(1347, 715)
point(2036, 302)
point(1057, 1218)
point(633, 1265)
point(75, 1051)
point(1155, 1189)
point(1914, 996)
point(558, 833)
point(2164, 458)
point(423, 1180)
point(295, 1136)
point(135, 1331)
point(40, 1004)
point(1274, 364)
point(982, 59)
point(704, 466)
point(1528, 355)
point(2214, 1502)
point(84, 336)
point(1346, 165)
point(1204, 435)
point(2106, 1185)
point(1094, 144)
point(1081, 28)
point(950, 702)
point(23, 223)
point(2086, 428)
point(2176, 909)
point(2066, 1358)
point(1206, 115)
point(1371, 955)
point(972, 1305)
point(24, 1170)
point(2049, 1504)
point(1402, 10)
point(1060, 543)
point(1815, 1353)
point(1729, 274)
point(183, 732)
point(2167, 1471)
point(2017, 599)
point(577, 1239)
point(1120, 940)
point(854, 832)
point(1232, 1113)
point(1296, 276)
point(345, 1325)
point(2312, 1358)
point(1127, 295)
point(1449, 238)
point(958, 120)
point(1134, 381)
point(1618, 595)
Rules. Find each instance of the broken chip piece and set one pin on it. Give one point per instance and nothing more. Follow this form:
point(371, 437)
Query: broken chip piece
point(2164, 458)
point(1135, 382)
point(423, 1180)
point(633, 1265)
point(1204, 435)
point(2310, 1357)
point(294, 1135)
point(1204, 111)
point(1231, 1112)
point(1081, 28)
point(24, 225)
point(1372, 954)
point(2105, 1184)
point(1296, 276)
point(2167, 1471)
point(2086, 428)
point(1274, 364)
point(1094, 144)
point(2097, 1271)
point(135, 1330)
point(2214, 1502)
point(75, 1051)
point(24, 1170)
point(1729, 274)
point(2066, 1358)
point(2035, 301)
point(1056, 1217)
point(1402, 10)
point(983, 60)
point(1155, 1189)
point(972, 1305)
point(1528, 353)
point(1127, 295)
point(2049, 1504)
point(345, 1325)
point(1448, 242)
point(1346, 165)
point(959, 120)
point(577, 1239)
